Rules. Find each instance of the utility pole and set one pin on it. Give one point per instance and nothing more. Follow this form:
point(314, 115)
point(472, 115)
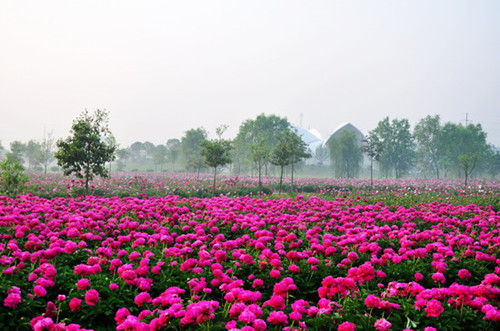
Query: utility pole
point(466, 119)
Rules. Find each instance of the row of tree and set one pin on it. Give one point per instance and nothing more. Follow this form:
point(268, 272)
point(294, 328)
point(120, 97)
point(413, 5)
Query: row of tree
point(433, 149)
point(269, 144)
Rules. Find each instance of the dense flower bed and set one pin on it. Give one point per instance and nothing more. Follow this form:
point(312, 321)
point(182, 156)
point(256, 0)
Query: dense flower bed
point(126, 184)
point(243, 263)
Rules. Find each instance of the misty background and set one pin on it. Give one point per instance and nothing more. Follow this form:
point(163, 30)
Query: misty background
point(161, 68)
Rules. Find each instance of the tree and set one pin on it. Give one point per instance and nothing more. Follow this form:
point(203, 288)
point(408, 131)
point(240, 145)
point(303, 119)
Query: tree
point(46, 155)
point(259, 156)
point(265, 131)
point(289, 150)
point(173, 151)
point(216, 154)
point(85, 152)
point(397, 146)
point(373, 148)
point(458, 140)
point(346, 154)
point(137, 151)
point(468, 162)
point(191, 149)
point(33, 151)
point(428, 136)
point(493, 162)
point(298, 150)
point(321, 154)
point(12, 177)
point(123, 156)
point(17, 150)
point(160, 156)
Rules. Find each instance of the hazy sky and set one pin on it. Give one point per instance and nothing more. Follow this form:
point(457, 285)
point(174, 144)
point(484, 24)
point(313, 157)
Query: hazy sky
point(162, 67)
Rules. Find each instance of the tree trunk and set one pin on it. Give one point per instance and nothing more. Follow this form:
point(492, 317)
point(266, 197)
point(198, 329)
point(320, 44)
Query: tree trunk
point(86, 185)
point(371, 173)
point(260, 174)
point(281, 178)
point(215, 174)
point(291, 170)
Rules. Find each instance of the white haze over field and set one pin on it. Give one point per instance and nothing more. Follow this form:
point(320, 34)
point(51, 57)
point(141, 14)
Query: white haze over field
point(162, 67)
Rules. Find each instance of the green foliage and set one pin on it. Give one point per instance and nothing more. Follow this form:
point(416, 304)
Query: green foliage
point(17, 150)
point(428, 136)
point(12, 177)
point(397, 146)
point(464, 140)
point(191, 149)
point(85, 152)
point(264, 131)
point(289, 150)
point(216, 154)
point(346, 154)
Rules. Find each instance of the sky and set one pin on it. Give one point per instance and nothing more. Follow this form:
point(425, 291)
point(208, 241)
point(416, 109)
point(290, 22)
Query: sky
point(163, 67)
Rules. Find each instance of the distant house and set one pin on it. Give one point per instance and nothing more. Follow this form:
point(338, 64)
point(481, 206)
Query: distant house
point(311, 137)
point(346, 127)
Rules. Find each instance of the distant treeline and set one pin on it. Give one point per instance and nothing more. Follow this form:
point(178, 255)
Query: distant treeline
point(392, 149)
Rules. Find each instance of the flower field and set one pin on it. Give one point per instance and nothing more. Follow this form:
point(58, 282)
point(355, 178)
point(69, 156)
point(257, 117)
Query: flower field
point(230, 263)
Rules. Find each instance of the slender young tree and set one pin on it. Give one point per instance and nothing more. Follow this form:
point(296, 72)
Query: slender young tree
point(373, 148)
point(86, 150)
point(216, 154)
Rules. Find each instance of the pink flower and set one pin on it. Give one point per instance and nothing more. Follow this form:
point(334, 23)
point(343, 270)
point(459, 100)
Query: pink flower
point(12, 300)
point(91, 297)
point(382, 325)
point(418, 276)
point(247, 316)
point(275, 274)
point(83, 283)
point(347, 326)
point(142, 298)
point(277, 318)
point(438, 277)
point(434, 308)
point(74, 304)
point(464, 274)
point(113, 286)
point(40, 291)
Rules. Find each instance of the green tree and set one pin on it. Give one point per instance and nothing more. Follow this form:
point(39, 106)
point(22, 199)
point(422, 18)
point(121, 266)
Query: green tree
point(298, 150)
point(493, 162)
point(264, 131)
point(259, 156)
point(345, 154)
point(373, 149)
point(468, 162)
point(160, 156)
point(17, 150)
point(216, 154)
point(289, 150)
point(428, 137)
point(12, 177)
point(321, 154)
point(173, 151)
point(397, 146)
point(191, 149)
point(458, 140)
point(123, 155)
point(46, 155)
point(33, 151)
point(85, 152)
